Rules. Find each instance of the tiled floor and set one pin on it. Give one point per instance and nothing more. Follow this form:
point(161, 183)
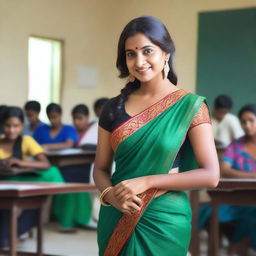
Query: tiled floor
point(81, 243)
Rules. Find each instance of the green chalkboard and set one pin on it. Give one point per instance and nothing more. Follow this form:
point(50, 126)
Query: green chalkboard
point(226, 60)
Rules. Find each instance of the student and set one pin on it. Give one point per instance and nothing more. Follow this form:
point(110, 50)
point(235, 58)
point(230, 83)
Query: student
point(226, 126)
point(16, 151)
point(150, 129)
point(87, 131)
point(98, 106)
point(56, 135)
point(32, 111)
point(238, 161)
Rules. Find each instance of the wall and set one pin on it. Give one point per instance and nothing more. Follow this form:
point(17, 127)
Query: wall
point(90, 31)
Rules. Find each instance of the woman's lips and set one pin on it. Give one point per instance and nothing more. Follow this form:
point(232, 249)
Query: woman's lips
point(142, 70)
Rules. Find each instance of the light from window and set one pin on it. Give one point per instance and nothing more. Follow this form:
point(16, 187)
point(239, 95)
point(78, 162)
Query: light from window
point(44, 72)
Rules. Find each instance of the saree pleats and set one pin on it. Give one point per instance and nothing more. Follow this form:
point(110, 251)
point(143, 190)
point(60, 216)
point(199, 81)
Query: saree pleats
point(164, 227)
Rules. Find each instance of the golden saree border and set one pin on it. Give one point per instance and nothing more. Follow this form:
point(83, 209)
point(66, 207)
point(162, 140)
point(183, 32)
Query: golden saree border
point(126, 225)
point(135, 123)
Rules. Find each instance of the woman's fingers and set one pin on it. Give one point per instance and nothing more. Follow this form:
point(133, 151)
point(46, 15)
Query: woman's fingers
point(137, 200)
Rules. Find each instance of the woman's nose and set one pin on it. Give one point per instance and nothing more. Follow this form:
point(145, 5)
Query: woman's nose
point(140, 60)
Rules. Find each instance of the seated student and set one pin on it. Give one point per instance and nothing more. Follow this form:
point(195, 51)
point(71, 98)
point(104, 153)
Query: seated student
point(239, 161)
point(56, 135)
point(87, 135)
point(16, 151)
point(32, 111)
point(226, 126)
point(87, 131)
point(98, 106)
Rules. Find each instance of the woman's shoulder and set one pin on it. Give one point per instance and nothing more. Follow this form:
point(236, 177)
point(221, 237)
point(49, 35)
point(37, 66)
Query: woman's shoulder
point(112, 102)
point(43, 127)
point(237, 143)
point(68, 128)
point(27, 139)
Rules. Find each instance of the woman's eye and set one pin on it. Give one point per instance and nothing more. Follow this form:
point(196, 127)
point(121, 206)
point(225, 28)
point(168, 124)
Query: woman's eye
point(129, 54)
point(147, 51)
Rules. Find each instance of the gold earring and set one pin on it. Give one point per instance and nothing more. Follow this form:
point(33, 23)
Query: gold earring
point(166, 68)
point(131, 78)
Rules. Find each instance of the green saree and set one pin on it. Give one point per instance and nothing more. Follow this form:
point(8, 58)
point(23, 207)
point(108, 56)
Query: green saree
point(147, 144)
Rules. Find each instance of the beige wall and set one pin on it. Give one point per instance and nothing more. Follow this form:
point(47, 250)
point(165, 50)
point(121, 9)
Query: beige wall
point(90, 31)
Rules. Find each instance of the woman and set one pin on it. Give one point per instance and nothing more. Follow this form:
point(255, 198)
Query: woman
point(87, 131)
point(16, 151)
point(149, 130)
point(239, 161)
point(56, 135)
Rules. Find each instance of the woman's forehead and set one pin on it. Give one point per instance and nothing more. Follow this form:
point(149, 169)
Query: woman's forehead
point(137, 42)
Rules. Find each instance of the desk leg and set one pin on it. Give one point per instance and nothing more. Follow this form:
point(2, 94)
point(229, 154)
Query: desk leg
point(194, 243)
point(40, 232)
point(214, 232)
point(13, 230)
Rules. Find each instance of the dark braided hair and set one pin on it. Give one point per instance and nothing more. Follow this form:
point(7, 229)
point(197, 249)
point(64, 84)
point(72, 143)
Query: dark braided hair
point(157, 33)
point(17, 112)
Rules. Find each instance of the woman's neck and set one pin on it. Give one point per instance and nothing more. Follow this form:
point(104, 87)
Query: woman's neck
point(57, 127)
point(156, 87)
point(85, 128)
point(250, 139)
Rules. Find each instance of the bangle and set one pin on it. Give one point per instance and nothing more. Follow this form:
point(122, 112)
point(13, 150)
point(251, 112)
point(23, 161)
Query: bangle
point(102, 195)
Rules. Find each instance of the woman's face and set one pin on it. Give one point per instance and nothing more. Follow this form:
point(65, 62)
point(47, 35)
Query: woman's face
point(12, 128)
point(80, 121)
point(54, 118)
point(144, 59)
point(248, 122)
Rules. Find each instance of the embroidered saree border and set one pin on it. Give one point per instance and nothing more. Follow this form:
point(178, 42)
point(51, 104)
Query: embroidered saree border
point(126, 225)
point(138, 121)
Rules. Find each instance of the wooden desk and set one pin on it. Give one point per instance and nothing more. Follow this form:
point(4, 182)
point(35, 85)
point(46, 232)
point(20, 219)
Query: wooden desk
point(15, 196)
point(229, 191)
point(70, 156)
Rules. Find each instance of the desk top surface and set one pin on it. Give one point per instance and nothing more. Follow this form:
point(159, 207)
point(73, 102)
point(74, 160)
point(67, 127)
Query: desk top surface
point(70, 152)
point(236, 184)
point(25, 189)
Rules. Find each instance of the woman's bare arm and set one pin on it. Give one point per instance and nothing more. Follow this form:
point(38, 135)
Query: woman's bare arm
point(41, 162)
point(102, 174)
point(103, 160)
point(228, 172)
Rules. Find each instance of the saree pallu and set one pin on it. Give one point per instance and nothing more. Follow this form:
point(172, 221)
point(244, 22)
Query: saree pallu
point(147, 144)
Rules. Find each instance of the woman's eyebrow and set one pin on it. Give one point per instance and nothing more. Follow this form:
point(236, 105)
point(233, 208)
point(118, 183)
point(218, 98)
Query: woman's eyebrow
point(146, 46)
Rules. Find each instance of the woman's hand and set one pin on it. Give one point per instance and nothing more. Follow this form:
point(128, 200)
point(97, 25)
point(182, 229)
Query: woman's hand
point(126, 206)
point(127, 189)
point(9, 162)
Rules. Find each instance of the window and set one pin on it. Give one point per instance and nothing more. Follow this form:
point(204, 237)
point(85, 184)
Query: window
point(45, 72)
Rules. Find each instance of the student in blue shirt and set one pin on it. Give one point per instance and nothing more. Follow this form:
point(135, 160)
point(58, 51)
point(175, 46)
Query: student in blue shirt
point(56, 135)
point(32, 110)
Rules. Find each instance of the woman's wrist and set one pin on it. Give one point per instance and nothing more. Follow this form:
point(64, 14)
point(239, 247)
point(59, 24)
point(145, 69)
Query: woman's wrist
point(103, 196)
point(149, 181)
point(108, 196)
